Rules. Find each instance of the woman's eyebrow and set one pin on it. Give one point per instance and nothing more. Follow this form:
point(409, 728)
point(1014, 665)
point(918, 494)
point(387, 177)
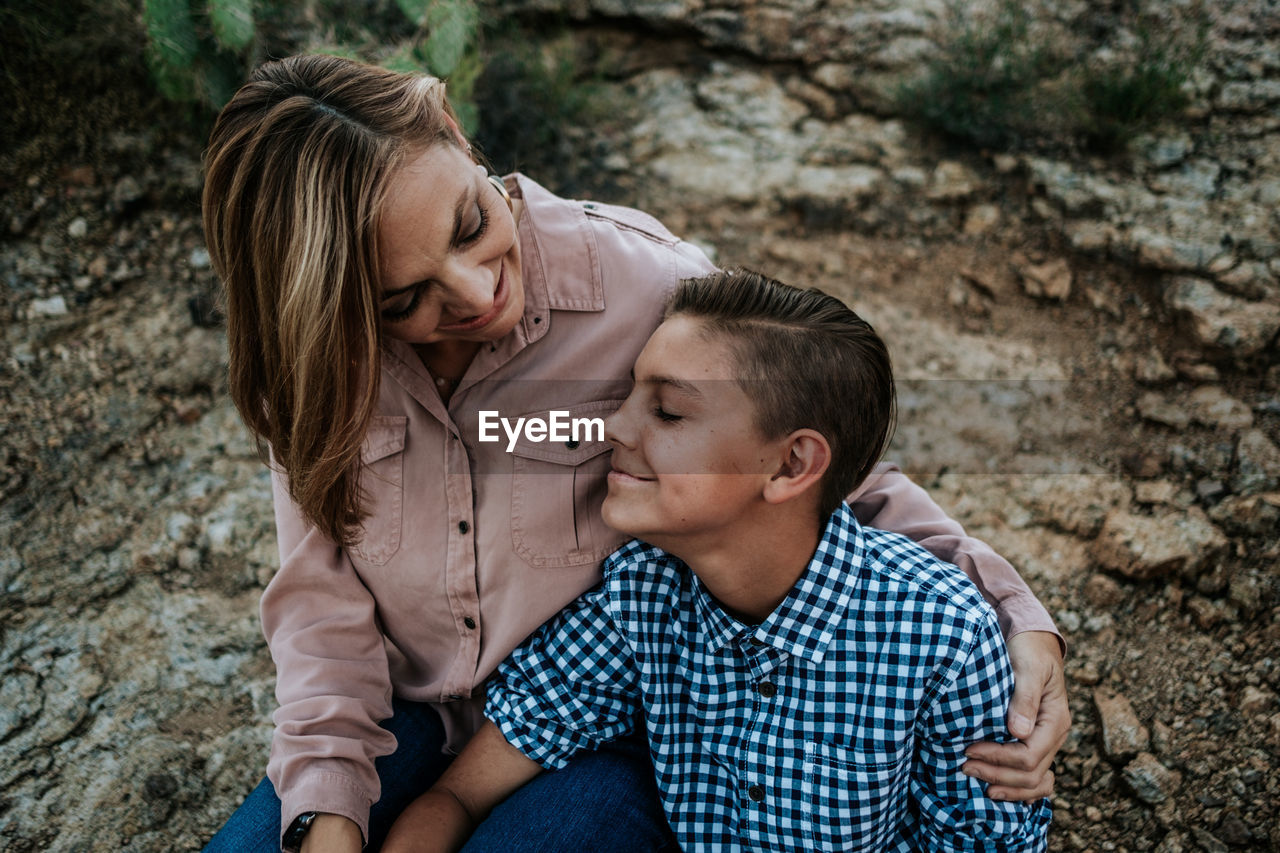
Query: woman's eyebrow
point(458, 210)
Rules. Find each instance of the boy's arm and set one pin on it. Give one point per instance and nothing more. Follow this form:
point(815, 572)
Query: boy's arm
point(482, 776)
point(572, 685)
point(954, 809)
point(1038, 715)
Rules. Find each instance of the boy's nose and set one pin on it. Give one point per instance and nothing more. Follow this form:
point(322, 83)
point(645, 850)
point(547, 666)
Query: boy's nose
point(614, 427)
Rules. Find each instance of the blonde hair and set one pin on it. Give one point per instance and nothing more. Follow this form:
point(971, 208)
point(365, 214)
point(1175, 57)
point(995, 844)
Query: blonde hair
point(296, 173)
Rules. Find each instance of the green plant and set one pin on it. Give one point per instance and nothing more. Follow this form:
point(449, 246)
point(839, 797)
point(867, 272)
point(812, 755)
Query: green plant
point(531, 93)
point(980, 86)
point(200, 50)
point(1015, 78)
point(198, 54)
point(449, 50)
point(1122, 98)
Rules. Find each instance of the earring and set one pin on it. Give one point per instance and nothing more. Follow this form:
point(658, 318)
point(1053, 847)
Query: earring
point(501, 187)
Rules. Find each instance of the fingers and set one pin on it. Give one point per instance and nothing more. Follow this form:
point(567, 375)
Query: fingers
point(1002, 792)
point(1020, 770)
point(1024, 708)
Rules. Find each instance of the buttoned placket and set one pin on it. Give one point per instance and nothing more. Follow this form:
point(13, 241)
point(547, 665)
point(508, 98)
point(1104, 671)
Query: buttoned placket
point(762, 661)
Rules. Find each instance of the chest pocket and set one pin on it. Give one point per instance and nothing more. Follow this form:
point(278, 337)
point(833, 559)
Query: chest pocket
point(382, 488)
point(852, 800)
point(557, 491)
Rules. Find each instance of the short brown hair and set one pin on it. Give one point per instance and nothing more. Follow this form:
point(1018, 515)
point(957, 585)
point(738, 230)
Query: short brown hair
point(806, 361)
point(296, 174)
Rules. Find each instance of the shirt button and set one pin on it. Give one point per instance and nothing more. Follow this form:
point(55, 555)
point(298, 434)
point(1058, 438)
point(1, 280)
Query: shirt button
point(469, 622)
point(572, 444)
point(767, 690)
point(463, 527)
point(756, 793)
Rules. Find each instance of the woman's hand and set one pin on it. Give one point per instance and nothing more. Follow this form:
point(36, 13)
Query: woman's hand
point(331, 833)
point(1038, 716)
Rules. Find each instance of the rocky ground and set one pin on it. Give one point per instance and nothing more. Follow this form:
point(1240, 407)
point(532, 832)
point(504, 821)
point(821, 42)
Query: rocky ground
point(1089, 374)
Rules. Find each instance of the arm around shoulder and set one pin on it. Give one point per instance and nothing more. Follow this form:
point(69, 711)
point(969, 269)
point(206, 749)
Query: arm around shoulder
point(888, 499)
point(956, 811)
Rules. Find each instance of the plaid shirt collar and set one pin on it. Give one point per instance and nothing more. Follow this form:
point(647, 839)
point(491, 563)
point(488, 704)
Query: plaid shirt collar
point(804, 623)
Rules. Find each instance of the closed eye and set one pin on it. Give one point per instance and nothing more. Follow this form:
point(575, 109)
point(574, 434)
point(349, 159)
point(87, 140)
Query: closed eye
point(479, 231)
point(395, 315)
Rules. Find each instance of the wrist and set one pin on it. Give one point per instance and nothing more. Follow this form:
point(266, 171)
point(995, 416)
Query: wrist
point(331, 833)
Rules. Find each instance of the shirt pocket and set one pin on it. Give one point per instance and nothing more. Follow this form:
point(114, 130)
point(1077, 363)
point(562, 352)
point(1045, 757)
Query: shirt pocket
point(382, 489)
point(557, 490)
point(852, 799)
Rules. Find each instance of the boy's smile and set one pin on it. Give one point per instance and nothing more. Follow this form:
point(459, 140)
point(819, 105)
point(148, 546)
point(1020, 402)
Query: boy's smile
point(689, 463)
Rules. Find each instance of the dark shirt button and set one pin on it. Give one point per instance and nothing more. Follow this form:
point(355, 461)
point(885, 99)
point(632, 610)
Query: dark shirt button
point(454, 697)
point(767, 690)
point(756, 793)
point(463, 527)
point(537, 319)
point(469, 622)
point(572, 444)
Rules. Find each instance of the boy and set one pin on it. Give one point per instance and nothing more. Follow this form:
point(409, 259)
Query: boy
point(804, 683)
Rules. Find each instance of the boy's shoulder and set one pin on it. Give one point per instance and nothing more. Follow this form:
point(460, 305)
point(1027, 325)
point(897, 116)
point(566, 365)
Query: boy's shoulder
point(907, 579)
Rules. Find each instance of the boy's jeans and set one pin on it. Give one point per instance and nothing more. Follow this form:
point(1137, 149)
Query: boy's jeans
point(604, 800)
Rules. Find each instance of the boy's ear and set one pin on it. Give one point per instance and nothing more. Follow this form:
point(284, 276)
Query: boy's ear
point(806, 455)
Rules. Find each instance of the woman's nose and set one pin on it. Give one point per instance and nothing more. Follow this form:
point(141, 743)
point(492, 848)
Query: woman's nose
point(471, 292)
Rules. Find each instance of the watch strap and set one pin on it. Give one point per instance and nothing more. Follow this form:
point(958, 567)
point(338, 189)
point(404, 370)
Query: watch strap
point(297, 831)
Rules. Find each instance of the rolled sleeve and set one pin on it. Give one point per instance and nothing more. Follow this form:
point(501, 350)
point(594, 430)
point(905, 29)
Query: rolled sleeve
point(569, 687)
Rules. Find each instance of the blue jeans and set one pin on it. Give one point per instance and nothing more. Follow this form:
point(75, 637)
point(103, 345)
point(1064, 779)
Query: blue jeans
point(603, 801)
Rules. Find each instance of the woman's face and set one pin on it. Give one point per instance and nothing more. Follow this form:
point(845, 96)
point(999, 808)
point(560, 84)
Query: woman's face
point(449, 253)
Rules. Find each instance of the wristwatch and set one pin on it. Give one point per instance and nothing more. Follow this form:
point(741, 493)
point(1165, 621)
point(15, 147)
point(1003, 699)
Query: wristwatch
point(297, 831)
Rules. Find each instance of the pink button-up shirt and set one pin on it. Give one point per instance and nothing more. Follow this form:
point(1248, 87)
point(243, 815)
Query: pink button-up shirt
point(470, 546)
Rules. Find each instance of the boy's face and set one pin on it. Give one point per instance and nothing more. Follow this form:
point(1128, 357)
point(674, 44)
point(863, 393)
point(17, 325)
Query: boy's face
point(689, 464)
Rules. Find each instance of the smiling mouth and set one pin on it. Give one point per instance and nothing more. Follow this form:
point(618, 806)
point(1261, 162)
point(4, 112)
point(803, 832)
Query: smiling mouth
point(500, 296)
point(626, 477)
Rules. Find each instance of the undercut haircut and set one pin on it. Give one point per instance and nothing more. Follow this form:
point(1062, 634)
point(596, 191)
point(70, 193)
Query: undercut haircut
point(806, 361)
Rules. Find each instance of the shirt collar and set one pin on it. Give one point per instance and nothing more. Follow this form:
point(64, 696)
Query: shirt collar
point(804, 623)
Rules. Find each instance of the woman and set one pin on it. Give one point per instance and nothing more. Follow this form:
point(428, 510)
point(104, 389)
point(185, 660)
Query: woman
point(382, 293)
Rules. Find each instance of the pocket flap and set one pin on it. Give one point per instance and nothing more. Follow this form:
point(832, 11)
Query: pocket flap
point(385, 437)
point(565, 450)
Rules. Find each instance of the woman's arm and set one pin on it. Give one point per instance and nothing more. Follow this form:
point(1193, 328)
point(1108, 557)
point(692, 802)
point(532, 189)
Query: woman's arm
point(1038, 714)
point(486, 772)
point(332, 681)
point(956, 811)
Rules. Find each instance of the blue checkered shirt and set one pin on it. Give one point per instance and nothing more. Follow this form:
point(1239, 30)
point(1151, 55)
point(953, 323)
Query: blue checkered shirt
point(838, 723)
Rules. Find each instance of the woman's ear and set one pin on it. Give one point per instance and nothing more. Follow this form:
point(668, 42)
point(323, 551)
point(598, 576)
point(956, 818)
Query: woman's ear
point(806, 455)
